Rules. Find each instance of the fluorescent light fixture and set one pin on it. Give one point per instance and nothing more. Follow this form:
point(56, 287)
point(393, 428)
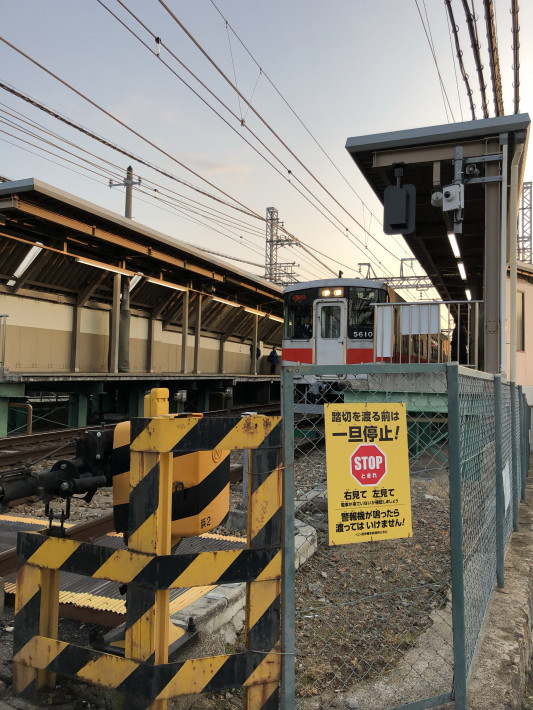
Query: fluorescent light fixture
point(104, 267)
point(135, 280)
point(454, 245)
point(24, 265)
point(462, 270)
point(223, 300)
point(166, 284)
point(263, 314)
point(468, 294)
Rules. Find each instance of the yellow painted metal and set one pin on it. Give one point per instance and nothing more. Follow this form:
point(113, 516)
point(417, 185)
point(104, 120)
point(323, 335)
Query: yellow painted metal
point(272, 570)
point(261, 595)
point(150, 634)
point(48, 618)
point(194, 675)
point(109, 670)
point(28, 586)
point(53, 553)
point(266, 500)
point(194, 468)
point(249, 433)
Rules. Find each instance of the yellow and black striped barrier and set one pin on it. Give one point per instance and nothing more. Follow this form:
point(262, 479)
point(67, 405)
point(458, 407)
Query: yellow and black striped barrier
point(150, 571)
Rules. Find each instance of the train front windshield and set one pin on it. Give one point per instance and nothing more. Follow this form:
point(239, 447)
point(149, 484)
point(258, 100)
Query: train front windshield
point(361, 310)
point(361, 300)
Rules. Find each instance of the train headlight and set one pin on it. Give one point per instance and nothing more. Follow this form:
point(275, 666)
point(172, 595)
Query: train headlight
point(338, 292)
point(326, 292)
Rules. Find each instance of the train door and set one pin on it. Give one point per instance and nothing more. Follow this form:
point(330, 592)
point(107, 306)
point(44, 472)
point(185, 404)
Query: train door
point(330, 332)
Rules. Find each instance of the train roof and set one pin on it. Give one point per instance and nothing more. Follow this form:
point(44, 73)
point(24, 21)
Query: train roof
point(365, 283)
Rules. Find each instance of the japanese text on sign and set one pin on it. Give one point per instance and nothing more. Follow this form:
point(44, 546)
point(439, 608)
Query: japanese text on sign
point(367, 472)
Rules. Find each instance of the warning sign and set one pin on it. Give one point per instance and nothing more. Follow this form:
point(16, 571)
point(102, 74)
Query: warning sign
point(367, 472)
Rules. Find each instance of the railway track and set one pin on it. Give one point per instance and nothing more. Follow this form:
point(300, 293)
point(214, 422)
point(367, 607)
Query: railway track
point(27, 449)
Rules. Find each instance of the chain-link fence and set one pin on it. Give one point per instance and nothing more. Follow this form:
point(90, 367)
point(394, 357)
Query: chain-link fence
point(374, 624)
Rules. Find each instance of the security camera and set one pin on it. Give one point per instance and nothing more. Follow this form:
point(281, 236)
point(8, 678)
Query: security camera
point(453, 197)
point(436, 199)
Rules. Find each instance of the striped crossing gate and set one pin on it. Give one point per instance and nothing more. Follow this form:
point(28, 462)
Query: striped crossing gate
point(148, 569)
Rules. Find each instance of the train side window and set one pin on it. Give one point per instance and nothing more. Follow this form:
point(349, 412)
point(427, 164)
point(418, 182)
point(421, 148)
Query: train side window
point(330, 322)
point(299, 321)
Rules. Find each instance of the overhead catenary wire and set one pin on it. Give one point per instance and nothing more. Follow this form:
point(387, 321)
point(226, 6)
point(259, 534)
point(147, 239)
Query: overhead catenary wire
point(140, 160)
point(292, 110)
point(196, 207)
point(429, 38)
point(454, 62)
point(264, 122)
point(105, 173)
point(494, 60)
point(477, 56)
point(459, 52)
point(289, 176)
point(516, 56)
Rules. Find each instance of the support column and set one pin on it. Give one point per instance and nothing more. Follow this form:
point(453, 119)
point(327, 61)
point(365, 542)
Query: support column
point(184, 331)
point(221, 346)
point(77, 409)
point(197, 331)
point(75, 340)
point(114, 326)
point(150, 345)
point(253, 364)
point(6, 391)
point(492, 271)
point(124, 327)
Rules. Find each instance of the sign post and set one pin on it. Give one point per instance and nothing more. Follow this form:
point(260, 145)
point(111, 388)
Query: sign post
point(367, 472)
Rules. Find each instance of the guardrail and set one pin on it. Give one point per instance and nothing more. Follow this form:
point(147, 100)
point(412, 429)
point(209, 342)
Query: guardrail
point(427, 332)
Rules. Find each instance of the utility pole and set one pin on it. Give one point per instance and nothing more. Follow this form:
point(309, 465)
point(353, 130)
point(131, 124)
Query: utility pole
point(128, 183)
point(275, 271)
point(123, 282)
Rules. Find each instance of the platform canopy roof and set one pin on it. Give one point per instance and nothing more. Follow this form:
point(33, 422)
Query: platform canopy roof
point(74, 249)
point(427, 156)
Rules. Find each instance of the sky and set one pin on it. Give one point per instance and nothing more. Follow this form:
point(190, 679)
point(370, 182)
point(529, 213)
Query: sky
point(315, 72)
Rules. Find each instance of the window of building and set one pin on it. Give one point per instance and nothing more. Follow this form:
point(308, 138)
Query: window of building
point(520, 333)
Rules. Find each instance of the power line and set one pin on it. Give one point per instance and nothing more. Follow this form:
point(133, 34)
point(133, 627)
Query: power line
point(454, 67)
point(289, 176)
point(298, 118)
point(429, 38)
point(516, 62)
point(494, 58)
point(459, 51)
point(470, 21)
point(263, 121)
point(121, 123)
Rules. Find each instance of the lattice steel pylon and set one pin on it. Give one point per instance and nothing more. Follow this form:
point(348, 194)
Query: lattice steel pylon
point(524, 234)
point(275, 271)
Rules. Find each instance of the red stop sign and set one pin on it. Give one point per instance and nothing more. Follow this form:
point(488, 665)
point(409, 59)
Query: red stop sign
point(368, 464)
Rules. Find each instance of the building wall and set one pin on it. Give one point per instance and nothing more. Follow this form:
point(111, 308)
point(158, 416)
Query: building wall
point(39, 334)
point(524, 358)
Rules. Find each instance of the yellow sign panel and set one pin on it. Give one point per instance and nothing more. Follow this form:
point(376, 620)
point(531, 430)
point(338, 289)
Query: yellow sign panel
point(367, 463)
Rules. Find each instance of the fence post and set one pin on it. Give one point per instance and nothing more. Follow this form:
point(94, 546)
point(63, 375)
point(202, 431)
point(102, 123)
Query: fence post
point(524, 441)
point(516, 453)
point(500, 503)
point(456, 538)
point(287, 577)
